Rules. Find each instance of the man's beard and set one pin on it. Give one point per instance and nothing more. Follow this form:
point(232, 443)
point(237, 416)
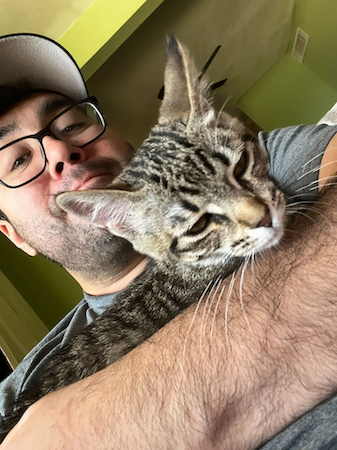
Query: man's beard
point(80, 247)
point(83, 249)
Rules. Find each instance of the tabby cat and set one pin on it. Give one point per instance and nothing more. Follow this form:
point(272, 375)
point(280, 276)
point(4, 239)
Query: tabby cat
point(196, 198)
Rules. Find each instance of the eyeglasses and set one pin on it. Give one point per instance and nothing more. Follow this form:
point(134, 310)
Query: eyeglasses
point(23, 160)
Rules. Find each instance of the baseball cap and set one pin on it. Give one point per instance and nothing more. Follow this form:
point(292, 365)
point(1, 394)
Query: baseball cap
point(40, 62)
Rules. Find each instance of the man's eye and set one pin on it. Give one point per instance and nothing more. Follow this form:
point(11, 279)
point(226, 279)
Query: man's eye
point(200, 225)
point(73, 128)
point(21, 160)
point(242, 165)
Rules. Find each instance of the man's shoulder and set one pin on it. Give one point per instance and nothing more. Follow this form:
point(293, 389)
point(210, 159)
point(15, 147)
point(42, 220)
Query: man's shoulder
point(295, 155)
point(294, 136)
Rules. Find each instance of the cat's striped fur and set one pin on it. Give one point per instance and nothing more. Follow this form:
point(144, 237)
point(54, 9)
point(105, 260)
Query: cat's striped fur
point(196, 199)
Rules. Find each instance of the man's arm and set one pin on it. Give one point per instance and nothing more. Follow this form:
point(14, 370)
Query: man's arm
point(328, 165)
point(223, 375)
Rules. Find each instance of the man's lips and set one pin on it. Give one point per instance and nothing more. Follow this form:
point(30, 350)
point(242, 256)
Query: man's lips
point(96, 182)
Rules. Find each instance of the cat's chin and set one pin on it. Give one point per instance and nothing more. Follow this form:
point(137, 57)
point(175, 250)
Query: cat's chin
point(269, 242)
point(261, 239)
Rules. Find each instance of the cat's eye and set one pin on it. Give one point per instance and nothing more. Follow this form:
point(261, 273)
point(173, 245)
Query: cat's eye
point(242, 165)
point(200, 225)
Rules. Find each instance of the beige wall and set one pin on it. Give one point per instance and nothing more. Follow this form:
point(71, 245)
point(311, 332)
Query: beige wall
point(254, 34)
point(48, 17)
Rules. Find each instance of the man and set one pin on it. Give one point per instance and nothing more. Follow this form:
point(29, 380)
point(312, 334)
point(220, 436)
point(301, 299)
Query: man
point(234, 388)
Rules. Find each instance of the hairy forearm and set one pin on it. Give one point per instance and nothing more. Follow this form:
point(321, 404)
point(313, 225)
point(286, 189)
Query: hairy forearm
point(227, 374)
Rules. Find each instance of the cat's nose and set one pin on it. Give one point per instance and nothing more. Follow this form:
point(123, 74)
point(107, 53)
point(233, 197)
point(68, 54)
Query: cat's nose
point(266, 221)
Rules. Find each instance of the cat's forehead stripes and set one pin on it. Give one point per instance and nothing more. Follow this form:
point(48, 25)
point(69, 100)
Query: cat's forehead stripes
point(185, 204)
point(184, 162)
point(172, 136)
point(205, 161)
point(222, 158)
point(171, 160)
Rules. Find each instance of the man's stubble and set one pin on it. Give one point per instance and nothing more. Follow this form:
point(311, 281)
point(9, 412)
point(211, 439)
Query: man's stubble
point(82, 248)
point(79, 246)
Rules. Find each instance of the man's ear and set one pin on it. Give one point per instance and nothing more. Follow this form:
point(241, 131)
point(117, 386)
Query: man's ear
point(7, 229)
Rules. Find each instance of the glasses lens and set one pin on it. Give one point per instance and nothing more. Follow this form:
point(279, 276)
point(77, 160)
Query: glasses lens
point(79, 125)
point(20, 162)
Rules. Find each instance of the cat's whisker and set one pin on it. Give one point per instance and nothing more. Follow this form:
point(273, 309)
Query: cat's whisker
point(207, 306)
point(284, 180)
point(217, 121)
point(266, 139)
point(194, 317)
point(299, 197)
point(202, 128)
point(229, 131)
point(305, 215)
point(313, 184)
point(302, 202)
point(216, 308)
point(316, 169)
point(252, 260)
point(333, 183)
point(243, 269)
point(219, 281)
point(312, 159)
point(229, 293)
point(289, 231)
point(317, 211)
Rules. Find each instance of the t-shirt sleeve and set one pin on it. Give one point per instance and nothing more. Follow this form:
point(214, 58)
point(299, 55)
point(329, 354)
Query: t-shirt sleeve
point(295, 155)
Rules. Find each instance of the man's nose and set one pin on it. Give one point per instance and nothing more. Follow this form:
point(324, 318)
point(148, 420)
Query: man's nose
point(60, 155)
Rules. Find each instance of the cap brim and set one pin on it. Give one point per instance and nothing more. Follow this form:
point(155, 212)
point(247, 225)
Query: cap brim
point(42, 63)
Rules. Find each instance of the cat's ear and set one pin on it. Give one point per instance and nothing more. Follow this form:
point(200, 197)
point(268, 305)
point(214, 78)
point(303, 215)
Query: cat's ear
point(117, 210)
point(185, 94)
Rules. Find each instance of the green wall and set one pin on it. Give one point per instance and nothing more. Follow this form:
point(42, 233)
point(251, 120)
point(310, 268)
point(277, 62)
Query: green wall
point(318, 18)
point(47, 288)
point(291, 93)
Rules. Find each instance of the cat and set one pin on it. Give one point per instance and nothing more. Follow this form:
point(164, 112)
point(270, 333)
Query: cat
point(196, 198)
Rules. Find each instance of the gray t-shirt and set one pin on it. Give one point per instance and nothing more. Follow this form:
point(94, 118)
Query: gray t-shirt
point(295, 155)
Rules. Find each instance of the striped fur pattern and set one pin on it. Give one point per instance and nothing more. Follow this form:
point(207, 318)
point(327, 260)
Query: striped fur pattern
point(196, 198)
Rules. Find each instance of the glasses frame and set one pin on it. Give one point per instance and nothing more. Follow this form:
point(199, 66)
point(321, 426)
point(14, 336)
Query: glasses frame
point(48, 132)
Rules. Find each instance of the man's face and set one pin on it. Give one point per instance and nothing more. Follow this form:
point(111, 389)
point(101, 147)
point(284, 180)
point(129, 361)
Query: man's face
point(36, 222)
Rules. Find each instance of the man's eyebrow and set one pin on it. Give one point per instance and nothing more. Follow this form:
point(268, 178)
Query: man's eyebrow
point(7, 129)
point(47, 108)
point(51, 106)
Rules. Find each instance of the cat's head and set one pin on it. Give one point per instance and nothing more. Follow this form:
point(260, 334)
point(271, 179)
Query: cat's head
point(198, 189)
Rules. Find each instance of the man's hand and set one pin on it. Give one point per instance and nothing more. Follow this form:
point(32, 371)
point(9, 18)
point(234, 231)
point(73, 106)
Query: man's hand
point(217, 376)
